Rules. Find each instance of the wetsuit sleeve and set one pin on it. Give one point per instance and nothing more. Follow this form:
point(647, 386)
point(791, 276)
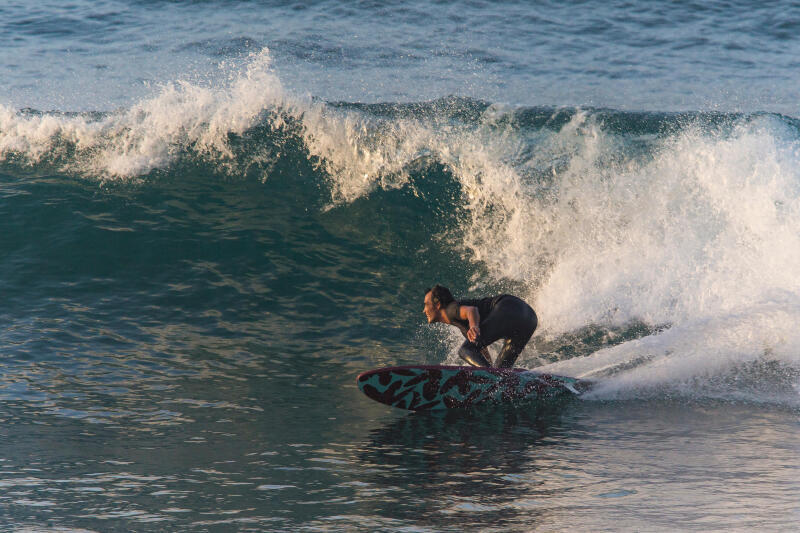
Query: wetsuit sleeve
point(452, 312)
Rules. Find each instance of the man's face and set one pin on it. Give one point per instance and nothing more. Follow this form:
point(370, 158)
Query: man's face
point(430, 308)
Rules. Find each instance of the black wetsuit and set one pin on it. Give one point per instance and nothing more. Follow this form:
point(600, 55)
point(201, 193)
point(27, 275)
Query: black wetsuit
point(501, 317)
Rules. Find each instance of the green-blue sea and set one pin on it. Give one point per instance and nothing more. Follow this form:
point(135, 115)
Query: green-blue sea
point(215, 214)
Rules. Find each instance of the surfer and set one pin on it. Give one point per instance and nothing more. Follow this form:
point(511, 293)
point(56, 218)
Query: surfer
point(484, 321)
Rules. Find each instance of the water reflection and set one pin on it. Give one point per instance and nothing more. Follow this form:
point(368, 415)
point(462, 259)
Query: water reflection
point(472, 466)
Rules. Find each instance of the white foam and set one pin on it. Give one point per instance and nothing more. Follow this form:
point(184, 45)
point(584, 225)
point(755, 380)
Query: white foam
point(752, 355)
point(151, 134)
point(703, 236)
point(357, 152)
point(707, 227)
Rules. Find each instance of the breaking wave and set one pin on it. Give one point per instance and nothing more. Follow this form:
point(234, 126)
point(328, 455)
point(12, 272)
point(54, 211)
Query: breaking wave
point(659, 249)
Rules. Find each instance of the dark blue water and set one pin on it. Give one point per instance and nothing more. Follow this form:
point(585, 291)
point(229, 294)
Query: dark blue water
point(214, 215)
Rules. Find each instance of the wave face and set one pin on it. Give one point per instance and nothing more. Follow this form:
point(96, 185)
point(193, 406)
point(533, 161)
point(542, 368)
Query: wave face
point(659, 249)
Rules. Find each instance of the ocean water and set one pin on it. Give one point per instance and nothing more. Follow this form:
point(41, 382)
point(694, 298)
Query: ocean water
point(215, 214)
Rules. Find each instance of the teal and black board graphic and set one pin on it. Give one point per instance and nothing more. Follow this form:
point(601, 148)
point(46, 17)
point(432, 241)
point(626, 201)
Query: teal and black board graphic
point(426, 387)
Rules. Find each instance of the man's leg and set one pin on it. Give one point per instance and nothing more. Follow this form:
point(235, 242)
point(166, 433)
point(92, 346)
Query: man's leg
point(470, 353)
point(511, 350)
point(518, 322)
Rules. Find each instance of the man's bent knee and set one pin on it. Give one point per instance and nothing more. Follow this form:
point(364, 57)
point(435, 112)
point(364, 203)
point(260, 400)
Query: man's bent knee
point(470, 353)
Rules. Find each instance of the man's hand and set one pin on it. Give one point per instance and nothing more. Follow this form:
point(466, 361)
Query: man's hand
point(473, 333)
point(471, 314)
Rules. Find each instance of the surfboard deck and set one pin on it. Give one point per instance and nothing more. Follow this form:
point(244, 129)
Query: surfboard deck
point(429, 387)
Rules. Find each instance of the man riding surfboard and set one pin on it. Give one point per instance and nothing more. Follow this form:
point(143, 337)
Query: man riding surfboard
point(482, 322)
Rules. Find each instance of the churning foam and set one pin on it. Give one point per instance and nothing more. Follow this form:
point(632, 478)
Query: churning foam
point(701, 234)
point(153, 133)
point(750, 355)
point(358, 153)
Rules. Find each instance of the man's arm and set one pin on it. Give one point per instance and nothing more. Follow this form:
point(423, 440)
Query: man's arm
point(471, 314)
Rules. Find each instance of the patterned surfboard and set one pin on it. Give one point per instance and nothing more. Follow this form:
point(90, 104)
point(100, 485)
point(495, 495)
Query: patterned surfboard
point(425, 387)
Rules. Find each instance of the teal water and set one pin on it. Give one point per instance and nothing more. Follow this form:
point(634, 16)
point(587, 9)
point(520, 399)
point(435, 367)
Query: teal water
point(181, 353)
point(215, 215)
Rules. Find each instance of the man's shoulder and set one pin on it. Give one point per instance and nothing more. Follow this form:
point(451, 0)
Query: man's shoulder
point(452, 309)
point(479, 302)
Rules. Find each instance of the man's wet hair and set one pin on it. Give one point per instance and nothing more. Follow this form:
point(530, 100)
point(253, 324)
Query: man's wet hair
point(440, 295)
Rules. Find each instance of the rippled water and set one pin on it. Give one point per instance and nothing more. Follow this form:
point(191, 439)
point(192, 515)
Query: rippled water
point(198, 464)
point(188, 387)
point(685, 55)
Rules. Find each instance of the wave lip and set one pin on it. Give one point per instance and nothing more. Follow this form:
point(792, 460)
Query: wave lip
point(152, 134)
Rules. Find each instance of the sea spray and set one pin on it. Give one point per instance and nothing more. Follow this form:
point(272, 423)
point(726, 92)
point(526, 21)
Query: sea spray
point(180, 118)
point(704, 236)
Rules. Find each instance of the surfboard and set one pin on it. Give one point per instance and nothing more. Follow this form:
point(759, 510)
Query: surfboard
point(429, 387)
